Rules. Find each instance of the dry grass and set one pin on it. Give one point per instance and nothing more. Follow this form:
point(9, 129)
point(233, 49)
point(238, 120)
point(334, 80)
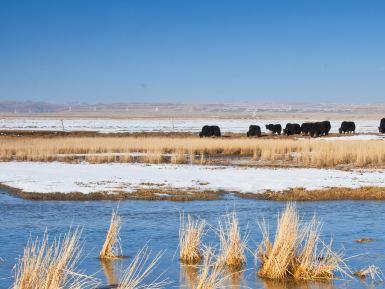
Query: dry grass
point(111, 248)
point(149, 194)
point(190, 235)
point(211, 275)
point(297, 251)
point(363, 193)
point(51, 266)
point(372, 272)
point(313, 263)
point(277, 258)
point(139, 270)
point(232, 244)
point(174, 149)
point(185, 195)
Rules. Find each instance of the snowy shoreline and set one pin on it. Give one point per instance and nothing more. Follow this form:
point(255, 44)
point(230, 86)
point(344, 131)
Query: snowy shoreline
point(86, 178)
point(161, 125)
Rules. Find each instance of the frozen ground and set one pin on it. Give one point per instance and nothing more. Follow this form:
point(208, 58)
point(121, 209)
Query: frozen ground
point(165, 125)
point(87, 178)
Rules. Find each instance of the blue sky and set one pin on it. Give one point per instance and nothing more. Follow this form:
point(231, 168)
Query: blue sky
point(192, 51)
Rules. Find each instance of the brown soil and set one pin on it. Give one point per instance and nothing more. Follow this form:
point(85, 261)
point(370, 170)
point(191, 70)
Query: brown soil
point(167, 194)
point(172, 194)
point(330, 194)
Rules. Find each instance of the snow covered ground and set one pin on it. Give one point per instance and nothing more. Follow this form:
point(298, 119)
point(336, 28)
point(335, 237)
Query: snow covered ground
point(355, 137)
point(87, 178)
point(165, 125)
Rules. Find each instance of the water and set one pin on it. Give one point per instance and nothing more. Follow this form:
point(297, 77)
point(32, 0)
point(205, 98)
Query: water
point(156, 223)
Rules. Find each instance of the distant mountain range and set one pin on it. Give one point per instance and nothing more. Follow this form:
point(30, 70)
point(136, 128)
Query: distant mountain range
point(243, 109)
point(29, 107)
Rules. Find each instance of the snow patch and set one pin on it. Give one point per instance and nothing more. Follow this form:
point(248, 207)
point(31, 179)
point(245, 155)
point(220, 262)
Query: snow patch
point(87, 178)
point(161, 125)
point(355, 137)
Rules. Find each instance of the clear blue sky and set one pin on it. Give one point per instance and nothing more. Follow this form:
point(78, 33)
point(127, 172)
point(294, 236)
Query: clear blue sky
point(192, 51)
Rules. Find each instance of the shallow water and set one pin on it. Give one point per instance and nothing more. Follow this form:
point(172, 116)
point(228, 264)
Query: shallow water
point(156, 223)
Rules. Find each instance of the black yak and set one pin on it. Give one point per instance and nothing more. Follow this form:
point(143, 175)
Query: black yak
point(347, 127)
point(316, 129)
point(292, 128)
point(305, 128)
point(254, 130)
point(381, 128)
point(325, 127)
point(274, 128)
point(210, 130)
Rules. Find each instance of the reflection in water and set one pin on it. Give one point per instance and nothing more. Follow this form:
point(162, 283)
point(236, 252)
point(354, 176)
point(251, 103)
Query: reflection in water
point(188, 276)
point(234, 279)
point(109, 270)
point(274, 284)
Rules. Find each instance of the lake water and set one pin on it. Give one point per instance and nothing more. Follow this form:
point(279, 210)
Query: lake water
point(156, 224)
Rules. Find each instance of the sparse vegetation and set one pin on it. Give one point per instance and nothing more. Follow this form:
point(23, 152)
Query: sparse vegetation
point(329, 194)
point(52, 266)
point(211, 275)
point(232, 244)
point(270, 152)
point(372, 272)
point(134, 277)
point(190, 235)
point(315, 259)
point(111, 248)
point(297, 251)
point(364, 240)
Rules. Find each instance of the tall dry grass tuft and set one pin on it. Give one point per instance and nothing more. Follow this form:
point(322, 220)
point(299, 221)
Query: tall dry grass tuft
point(190, 235)
point(111, 248)
point(211, 275)
point(232, 244)
point(139, 270)
point(52, 266)
point(277, 258)
point(315, 259)
point(297, 251)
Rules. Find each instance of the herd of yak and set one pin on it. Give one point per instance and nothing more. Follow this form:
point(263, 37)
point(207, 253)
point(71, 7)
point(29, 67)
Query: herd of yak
point(313, 129)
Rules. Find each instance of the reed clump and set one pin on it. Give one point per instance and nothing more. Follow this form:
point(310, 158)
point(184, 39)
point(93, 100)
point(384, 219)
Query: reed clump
point(135, 275)
point(111, 248)
point(190, 236)
point(211, 275)
point(297, 251)
point(232, 243)
point(53, 265)
point(276, 258)
point(316, 260)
